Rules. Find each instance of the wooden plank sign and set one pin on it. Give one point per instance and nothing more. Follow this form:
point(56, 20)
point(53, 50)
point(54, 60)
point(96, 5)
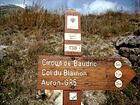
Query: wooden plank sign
point(72, 35)
point(82, 73)
point(72, 22)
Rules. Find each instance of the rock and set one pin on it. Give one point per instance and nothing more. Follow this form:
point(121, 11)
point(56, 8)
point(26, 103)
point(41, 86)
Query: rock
point(138, 60)
point(127, 61)
point(137, 32)
point(138, 41)
point(40, 94)
point(49, 93)
point(93, 97)
point(116, 55)
point(58, 97)
point(120, 42)
point(129, 47)
point(82, 103)
point(2, 54)
point(54, 96)
point(132, 51)
point(133, 59)
point(135, 51)
point(125, 52)
point(3, 47)
point(129, 41)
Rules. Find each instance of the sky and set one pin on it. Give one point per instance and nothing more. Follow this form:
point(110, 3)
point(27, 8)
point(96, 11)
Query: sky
point(83, 6)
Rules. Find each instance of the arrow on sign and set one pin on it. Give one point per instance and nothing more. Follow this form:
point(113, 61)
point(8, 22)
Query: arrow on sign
point(82, 73)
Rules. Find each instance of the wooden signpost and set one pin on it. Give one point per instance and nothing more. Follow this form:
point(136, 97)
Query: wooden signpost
point(82, 73)
point(73, 73)
point(72, 47)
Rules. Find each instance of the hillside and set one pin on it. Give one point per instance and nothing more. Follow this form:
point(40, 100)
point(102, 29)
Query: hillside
point(8, 9)
point(27, 34)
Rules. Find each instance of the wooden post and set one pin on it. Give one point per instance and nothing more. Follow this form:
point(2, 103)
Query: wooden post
point(72, 47)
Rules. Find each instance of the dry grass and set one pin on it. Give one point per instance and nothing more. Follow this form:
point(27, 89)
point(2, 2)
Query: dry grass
point(106, 25)
point(110, 24)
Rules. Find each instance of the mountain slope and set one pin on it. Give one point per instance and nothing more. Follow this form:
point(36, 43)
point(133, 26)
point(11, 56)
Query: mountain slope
point(8, 8)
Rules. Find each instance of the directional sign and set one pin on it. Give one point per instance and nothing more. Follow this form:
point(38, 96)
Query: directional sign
point(82, 73)
point(72, 36)
point(73, 47)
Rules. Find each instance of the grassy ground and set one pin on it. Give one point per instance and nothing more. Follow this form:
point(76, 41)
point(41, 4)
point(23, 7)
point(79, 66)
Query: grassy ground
point(29, 34)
